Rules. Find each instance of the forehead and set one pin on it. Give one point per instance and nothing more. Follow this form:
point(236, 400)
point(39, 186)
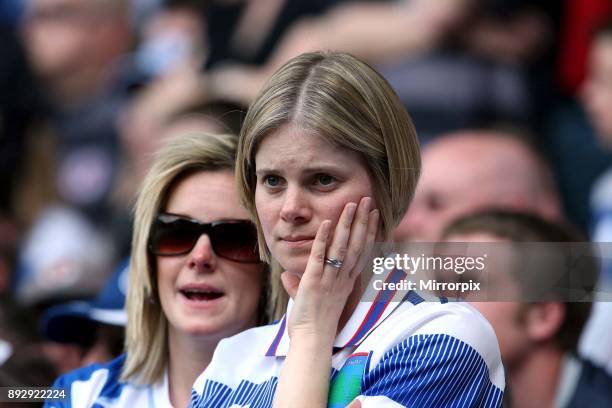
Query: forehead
point(453, 169)
point(474, 165)
point(206, 196)
point(602, 49)
point(291, 148)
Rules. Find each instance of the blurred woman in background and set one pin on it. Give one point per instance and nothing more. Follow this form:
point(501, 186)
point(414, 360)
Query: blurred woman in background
point(195, 278)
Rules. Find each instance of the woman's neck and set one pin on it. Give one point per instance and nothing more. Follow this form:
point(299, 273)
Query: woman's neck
point(188, 357)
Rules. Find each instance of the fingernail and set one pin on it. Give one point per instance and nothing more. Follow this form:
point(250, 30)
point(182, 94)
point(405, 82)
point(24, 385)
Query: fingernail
point(367, 203)
point(326, 228)
point(351, 209)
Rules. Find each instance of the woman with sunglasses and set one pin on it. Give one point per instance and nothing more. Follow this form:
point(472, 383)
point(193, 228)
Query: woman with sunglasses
point(327, 164)
point(195, 278)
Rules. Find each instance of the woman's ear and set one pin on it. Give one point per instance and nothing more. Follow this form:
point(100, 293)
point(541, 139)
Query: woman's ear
point(543, 320)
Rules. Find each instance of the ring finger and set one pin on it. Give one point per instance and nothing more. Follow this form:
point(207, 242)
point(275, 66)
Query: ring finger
point(337, 250)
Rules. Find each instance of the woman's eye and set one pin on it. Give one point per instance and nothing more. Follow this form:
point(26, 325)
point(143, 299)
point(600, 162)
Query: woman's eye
point(272, 181)
point(324, 179)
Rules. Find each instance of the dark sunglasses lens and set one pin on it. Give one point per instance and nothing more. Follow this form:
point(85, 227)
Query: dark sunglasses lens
point(236, 241)
point(173, 238)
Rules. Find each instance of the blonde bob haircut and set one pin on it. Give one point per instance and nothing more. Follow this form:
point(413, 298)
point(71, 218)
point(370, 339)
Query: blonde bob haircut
point(146, 331)
point(343, 99)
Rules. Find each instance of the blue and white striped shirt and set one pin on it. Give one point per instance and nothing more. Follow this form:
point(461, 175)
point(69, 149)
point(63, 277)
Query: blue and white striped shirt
point(98, 386)
point(397, 350)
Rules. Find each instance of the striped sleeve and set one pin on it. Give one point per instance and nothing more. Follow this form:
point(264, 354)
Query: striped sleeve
point(60, 384)
point(431, 370)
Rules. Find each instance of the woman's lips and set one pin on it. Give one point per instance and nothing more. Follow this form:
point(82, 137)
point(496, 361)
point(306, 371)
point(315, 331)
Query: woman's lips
point(201, 295)
point(298, 242)
point(202, 301)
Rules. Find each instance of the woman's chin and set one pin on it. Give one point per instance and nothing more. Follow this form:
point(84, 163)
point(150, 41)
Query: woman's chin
point(293, 265)
point(291, 281)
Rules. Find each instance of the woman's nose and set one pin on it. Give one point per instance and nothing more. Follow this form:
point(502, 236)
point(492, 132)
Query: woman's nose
point(295, 208)
point(202, 255)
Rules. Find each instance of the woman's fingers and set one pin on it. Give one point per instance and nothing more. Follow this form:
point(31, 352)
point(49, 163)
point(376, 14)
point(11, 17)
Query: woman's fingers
point(359, 231)
point(314, 267)
point(370, 238)
point(338, 247)
point(354, 233)
point(350, 231)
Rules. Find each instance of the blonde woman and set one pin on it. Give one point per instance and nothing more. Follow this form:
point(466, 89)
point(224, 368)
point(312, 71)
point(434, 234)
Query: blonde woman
point(327, 164)
point(195, 278)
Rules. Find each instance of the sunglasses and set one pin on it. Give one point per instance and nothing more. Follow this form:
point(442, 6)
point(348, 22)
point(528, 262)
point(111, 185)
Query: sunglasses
point(173, 234)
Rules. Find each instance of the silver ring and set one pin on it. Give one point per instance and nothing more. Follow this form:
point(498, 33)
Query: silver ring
point(336, 263)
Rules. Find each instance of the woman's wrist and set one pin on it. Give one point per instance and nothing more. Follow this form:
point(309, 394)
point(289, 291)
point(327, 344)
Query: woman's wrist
point(311, 342)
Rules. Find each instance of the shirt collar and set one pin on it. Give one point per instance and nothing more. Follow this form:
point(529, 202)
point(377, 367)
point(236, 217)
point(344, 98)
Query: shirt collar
point(373, 307)
point(569, 376)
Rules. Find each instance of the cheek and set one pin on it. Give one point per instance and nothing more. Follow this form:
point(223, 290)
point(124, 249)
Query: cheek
point(263, 208)
point(329, 211)
point(248, 283)
point(267, 212)
point(331, 207)
point(502, 317)
point(165, 276)
point(159, 277)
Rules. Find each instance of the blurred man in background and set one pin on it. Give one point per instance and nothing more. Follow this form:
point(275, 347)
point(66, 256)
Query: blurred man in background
point(538, 337)
point(76, 48)
point(469, 170)
point(73, 45)
point(87, 332)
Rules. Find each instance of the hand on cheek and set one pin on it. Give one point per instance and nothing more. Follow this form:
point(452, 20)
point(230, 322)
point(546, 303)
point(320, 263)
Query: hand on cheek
point(321, 294)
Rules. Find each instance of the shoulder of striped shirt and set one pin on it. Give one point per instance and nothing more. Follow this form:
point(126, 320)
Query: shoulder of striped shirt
point(457, 320)
point(85, 385)
point(85, 373)
point(432, 368)
point(242, 352)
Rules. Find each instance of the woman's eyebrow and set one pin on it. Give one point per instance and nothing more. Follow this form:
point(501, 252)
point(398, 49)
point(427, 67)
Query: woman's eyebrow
point(265, 170)
point(314, 168)
point(323, 168)
point(318, 168)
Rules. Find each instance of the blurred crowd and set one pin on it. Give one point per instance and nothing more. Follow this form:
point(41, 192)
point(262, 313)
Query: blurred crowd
point(512, 102)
